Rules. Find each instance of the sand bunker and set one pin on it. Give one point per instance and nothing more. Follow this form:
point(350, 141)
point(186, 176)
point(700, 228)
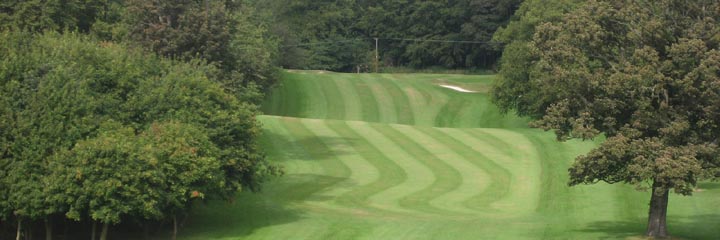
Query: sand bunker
point(456, 88)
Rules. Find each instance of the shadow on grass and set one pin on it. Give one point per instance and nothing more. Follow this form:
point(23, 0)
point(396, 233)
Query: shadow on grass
point(277, 203)
point(616, 230)
point(252, 211)
point(314, 148)
point(679, 227)
point(709, 185)
point(695, 227)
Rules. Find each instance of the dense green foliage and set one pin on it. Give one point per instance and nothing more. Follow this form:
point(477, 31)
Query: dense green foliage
point(229, 34)
point(219, 32)
point(338, 35)
point(645, 74)
point(510, 91)
point(151, 175)
point(39, 15)
point(102, 132)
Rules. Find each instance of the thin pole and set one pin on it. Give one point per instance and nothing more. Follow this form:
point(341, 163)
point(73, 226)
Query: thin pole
point(376, 55)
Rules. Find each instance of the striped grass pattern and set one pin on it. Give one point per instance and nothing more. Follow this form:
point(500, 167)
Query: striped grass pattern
point(396, 156)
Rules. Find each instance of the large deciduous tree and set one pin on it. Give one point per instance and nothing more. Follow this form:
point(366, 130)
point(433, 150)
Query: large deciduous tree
point(223, 33)
point(644, 73)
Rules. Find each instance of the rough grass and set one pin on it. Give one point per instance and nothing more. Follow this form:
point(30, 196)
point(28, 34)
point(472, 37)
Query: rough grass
point(394, 156)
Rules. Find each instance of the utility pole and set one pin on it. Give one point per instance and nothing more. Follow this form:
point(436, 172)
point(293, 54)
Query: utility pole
point(376, 55)
point(207, 11)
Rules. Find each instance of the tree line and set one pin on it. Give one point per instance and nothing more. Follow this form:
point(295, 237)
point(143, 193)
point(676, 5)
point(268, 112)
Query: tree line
point(127, 111)
point(339, 35)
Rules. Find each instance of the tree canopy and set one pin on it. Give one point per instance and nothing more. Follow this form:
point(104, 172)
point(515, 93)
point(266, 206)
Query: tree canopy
point(645, 74)
point(95, 130)
point(38, 15)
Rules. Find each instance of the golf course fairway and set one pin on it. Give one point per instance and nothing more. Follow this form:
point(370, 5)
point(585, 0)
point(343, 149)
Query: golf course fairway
point(398, 156)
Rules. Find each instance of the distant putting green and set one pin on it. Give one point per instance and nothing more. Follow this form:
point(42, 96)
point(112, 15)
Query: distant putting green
point(397, 156)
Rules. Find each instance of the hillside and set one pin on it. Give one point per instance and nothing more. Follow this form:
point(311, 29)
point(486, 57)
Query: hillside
point(397, 156)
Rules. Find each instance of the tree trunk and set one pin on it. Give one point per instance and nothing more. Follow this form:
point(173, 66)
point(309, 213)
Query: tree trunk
point(48, 228)
point(174, 235)
point(93, 235)
point(66, 229)
point(484, 60)
point(29, 233)
point(184, 220)
point(19, 230)
point(657, 227)
point(103, 234)
point(146, 230)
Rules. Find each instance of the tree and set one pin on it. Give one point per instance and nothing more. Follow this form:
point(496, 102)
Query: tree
point(253, 48)
point(511, 89)
point(222, 33)
point(6, 121)
point(645, 74)
point(153, 175)
point(318, 34)
point(182, 29)
point(485, 17)
point(39, 15)
point(95, 130)
point(43, 118)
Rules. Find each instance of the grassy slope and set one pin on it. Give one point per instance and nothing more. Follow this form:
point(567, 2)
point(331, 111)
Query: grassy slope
point(395, 156)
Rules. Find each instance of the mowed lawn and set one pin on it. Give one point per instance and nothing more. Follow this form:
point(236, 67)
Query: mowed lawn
point(396, 156)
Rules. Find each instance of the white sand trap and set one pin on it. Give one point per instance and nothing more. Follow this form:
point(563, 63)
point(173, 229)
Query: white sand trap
point(456, 88)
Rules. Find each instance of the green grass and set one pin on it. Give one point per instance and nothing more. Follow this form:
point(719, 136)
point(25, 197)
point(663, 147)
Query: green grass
point(394, 156)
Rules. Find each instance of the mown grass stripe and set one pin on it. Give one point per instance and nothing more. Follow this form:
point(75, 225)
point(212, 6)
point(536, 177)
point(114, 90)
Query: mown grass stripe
point(352, 229)
point(385, 102)
point(319, 152)
point(316, 104)
point(286, 100)
point(500, 177)
point(306, 174)
point(335, 100)
point(480, 113)
point(474, 180)
point(523, 165)
point(341, 150)
point(421, 100)
point(418, 99)
point(446, 177)
point(370, 111)
point(491, 141)
point(403, 109)
point(448, 115)
point(282, 147)
point(553, 166)
point(390, 173)
point(351, 100)
point(417, 175)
